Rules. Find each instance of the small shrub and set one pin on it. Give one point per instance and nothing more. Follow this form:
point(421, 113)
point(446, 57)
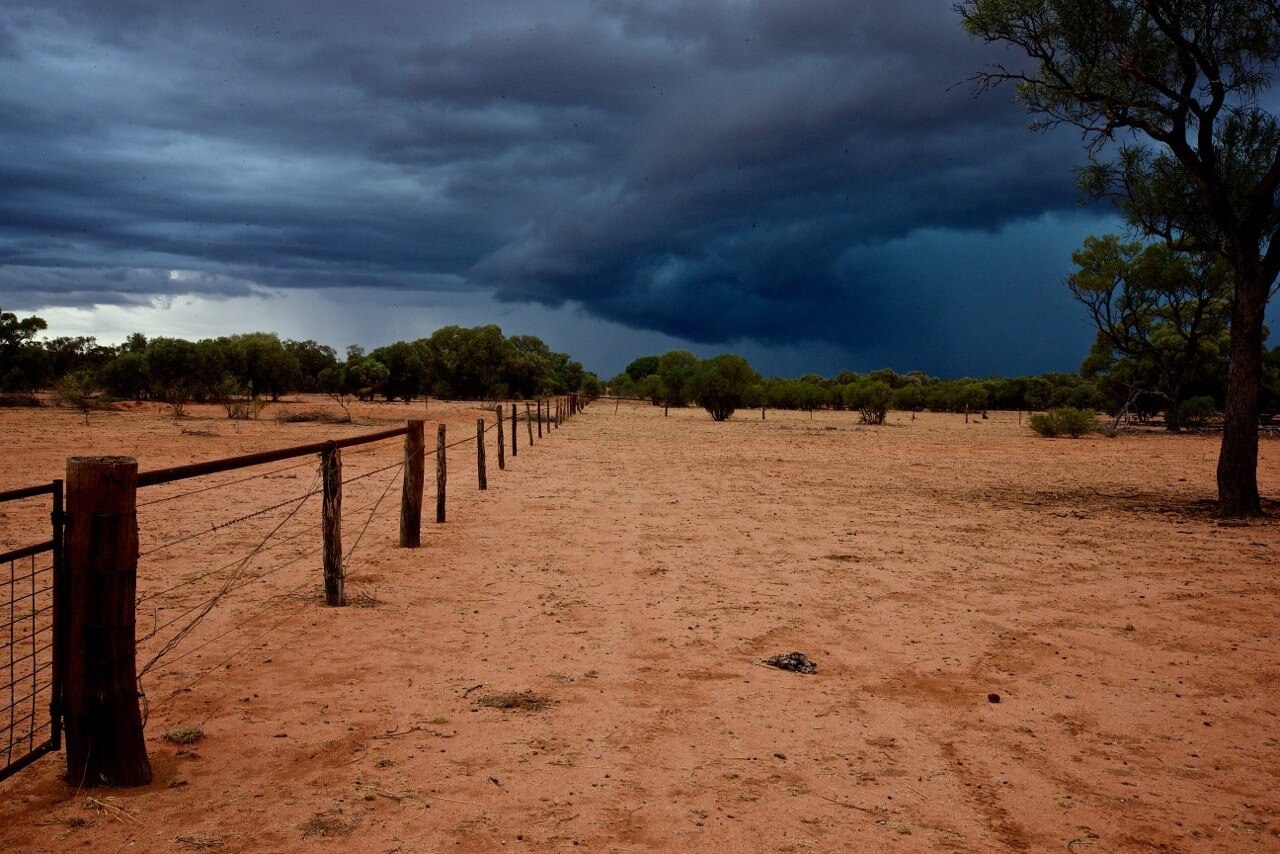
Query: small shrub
point(1196, 411)
point(527, 701)
point(870, 397)
point(1064, 421)
point(183, 735)
point(308, 416)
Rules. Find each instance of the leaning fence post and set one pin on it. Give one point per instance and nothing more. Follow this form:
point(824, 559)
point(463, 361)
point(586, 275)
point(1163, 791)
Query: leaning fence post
point(331, 470)
point(480, 472)
point(411, 486)
point(105, 743)
point(441, 474)
point(528, 420)
point(539, 418)
point(502, 458)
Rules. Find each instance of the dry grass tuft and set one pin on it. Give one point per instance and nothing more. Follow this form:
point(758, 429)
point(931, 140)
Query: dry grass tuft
point(110, 807)
point(525, 701)
point(183, 735)
point(310, 416)
point(325, 825)
point(197, 841)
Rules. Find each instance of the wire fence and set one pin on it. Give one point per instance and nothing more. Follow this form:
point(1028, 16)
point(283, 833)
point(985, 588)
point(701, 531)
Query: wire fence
point(242, 538)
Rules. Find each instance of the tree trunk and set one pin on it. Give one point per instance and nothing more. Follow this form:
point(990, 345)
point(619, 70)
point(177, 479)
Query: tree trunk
point(1173, 413)
point(1238, 459)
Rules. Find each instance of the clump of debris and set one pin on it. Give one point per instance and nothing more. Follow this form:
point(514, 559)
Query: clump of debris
point(797, 662)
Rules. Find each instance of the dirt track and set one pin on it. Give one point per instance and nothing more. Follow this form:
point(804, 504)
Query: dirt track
point(634, 570)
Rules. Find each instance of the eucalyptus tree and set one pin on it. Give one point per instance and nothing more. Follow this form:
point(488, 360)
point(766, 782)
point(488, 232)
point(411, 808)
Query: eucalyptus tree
point(1177, 88)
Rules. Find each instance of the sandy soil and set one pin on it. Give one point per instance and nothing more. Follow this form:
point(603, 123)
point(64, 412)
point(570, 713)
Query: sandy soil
point(632, 571)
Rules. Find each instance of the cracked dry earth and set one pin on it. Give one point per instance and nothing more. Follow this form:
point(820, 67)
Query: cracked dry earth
point(574, 660)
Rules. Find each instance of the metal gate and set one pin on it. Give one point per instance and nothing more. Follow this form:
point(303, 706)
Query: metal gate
point(31, 640)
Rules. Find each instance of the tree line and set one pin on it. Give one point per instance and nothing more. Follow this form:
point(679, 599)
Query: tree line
point(480, 363)
point(1105, 383)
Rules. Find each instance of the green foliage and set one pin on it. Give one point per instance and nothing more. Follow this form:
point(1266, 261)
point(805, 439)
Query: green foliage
point(1162, 317)
point(870, 397)
point(1196, 411)
point(724, 384)
point(20, 357)
point(79, 390)
point(651, 388)
point(675, 369)
point(1271, 381)
point(1064, 421)
point(642, 367)
point(312, 359)
point(910, 398)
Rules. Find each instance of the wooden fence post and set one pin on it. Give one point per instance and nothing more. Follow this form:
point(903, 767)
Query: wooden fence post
point(335, 594)
point(502, 442)
point(441, 474)
point(411, 486)
point(539, 418)
point(480, 472)
point(515, 433)
point(105, 745)
point(528, 420)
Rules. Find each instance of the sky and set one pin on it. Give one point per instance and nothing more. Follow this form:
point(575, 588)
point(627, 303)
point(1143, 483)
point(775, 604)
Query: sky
point(812, 185)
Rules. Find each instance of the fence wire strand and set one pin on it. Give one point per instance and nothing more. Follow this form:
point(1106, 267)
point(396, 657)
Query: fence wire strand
point(227, 586)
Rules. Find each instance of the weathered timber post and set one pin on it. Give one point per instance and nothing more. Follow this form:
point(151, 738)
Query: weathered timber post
point(539, 418)
point(515, 433)
point(335, 594)
point(105, 745)
point(762, 413)
point(502, 459)
point(617, 401)
point(480, 472)
point(411, 486)
point(528, 420)
point(441, 474)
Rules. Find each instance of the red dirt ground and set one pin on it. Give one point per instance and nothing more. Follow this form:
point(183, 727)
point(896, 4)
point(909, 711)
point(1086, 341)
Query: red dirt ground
point(633, 570)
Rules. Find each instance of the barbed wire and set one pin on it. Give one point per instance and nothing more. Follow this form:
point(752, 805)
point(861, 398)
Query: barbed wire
point(391, 482)
point(186, 687)
point(208, 606)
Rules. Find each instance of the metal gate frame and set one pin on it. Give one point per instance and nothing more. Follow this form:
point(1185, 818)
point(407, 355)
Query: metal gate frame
point(21, 747)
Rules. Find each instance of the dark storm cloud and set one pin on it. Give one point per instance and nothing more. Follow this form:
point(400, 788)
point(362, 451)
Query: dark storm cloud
point(716, 171)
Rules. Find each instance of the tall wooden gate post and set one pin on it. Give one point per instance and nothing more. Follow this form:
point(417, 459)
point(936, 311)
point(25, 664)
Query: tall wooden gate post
point(502, 459)
point(335, 594)
point(411, 486)
point(105, 745)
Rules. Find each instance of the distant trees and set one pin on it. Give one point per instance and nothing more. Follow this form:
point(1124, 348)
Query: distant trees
point(242, 370)
point(675, 370)
point(724, 384)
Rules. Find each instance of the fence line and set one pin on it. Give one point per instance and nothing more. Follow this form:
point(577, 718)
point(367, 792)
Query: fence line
point(104, 723)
